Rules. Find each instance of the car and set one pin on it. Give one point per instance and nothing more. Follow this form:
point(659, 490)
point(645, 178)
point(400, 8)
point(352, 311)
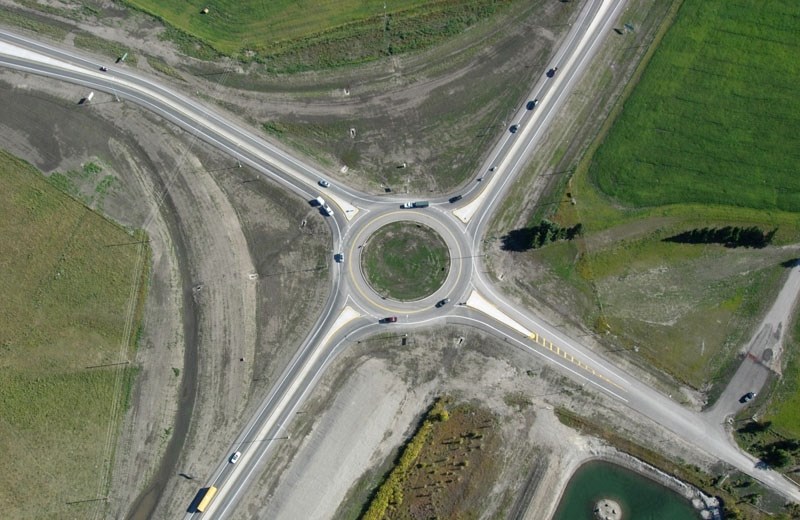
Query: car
point(456, 198)
point(339, 257)
point(319, 201)
point(513, 129)
point(747, 397)
point(493, 168)
point(327, 209)
point(235, 457)
point(442, 303)
point(324, 183)
point(388, 319)
point(103, 69)
point(552, 72)
point(407, 205)
point(532, 104)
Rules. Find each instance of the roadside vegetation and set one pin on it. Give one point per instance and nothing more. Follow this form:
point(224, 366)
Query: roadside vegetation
point(405, 261)
point(73, 284)
point(287, 36)
point(443, 469)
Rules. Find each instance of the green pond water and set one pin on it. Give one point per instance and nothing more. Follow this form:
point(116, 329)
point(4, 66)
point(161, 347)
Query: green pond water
point(639, 497)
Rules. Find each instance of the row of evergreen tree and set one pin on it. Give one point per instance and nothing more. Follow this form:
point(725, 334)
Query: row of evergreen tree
point(730, 236)
point(539, 235)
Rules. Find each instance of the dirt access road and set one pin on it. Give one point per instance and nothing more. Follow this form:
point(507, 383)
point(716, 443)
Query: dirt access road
point(234, 276)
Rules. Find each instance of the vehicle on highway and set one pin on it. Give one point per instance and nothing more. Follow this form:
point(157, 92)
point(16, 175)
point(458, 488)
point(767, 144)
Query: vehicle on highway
point(388, 319)
point(417, 204)
point(319, 201)
point(532, 104)
point(210, 492)
point(552, 72)
point(339, 257)
point(235, 457)
point(456, 198)
point(324, 183)
point(747, 397)
point(103, 69)
point(442, 303)
point(513, 129)
point(493, 168)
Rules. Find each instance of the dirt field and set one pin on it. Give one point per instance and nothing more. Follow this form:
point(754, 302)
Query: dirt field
point(374, 396)
point(225, 258)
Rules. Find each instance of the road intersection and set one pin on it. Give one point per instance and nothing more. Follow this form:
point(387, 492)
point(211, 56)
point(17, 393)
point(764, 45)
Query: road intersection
point(354, 308)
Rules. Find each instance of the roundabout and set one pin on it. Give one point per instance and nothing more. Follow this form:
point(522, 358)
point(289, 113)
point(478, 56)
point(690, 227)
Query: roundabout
point(405, 261)
point(375, 284)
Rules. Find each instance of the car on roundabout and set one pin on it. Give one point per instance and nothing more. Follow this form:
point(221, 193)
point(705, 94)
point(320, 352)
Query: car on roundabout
point(388, 319)
point(442, 302)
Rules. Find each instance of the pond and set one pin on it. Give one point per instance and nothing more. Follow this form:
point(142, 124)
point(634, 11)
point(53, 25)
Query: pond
point(639, 497)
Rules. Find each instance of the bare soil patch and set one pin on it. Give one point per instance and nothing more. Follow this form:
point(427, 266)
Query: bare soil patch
point(225, 253)
point(347, 436)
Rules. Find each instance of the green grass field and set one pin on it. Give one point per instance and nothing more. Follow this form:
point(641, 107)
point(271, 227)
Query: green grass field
point(715, 116)
point(405, 261)
point(705, 139)
point(291, 35)
point(66, 277)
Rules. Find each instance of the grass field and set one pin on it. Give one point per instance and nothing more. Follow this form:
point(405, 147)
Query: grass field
point(405, 261)
point(290, 36)
point(66, 277)
point(703, 140)
point(714, 118)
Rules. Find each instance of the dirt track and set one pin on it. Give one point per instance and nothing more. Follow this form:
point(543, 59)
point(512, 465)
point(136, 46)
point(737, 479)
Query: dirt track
point(224, 284)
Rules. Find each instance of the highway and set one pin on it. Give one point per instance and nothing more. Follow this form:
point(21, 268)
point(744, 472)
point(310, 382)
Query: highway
point(353, 308)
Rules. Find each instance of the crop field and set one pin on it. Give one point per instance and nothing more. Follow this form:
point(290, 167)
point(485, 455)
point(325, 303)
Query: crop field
point(290, 36)
point(67, 277)
point(715, 116)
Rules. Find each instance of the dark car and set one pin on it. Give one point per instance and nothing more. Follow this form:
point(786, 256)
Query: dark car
point(104, 69)
point(532, 104)
point(747, 397)
point(456, 198)
point(442, 303)
point(389, 319)
point(552, 72)
point(513, 129)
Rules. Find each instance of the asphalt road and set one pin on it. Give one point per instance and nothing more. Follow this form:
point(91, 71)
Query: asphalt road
point(353, 309)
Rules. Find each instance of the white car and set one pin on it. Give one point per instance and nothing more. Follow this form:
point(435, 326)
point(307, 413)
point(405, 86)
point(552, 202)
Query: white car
point(327, 209)
point(324, 183)
point(235, 457)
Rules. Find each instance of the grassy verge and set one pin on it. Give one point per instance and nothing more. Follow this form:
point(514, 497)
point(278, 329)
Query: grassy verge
point(54, 30)
point(443, 468)
point(164, 68)
point(737, 491)
point(405, 261)
point(286, 36)
point(65, 343)
point(85, 40)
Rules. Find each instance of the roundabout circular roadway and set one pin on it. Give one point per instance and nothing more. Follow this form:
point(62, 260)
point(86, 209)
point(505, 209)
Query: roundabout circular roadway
point(454, 286)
